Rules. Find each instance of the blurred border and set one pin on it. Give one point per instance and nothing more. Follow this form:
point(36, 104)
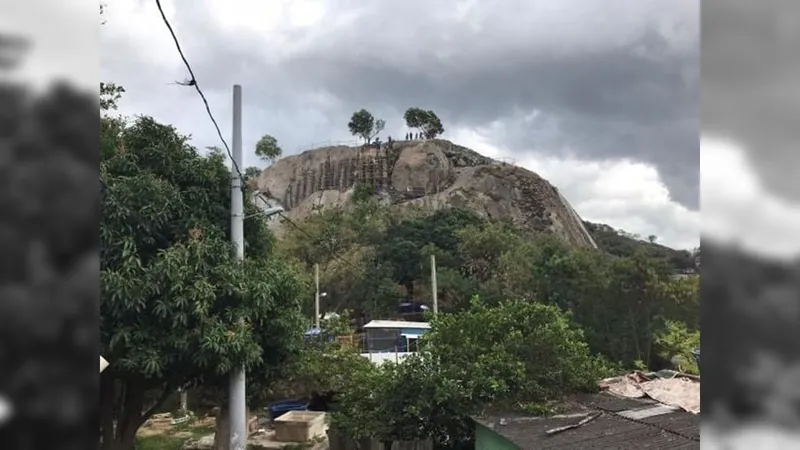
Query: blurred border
point(49, 56)
point(751, 279)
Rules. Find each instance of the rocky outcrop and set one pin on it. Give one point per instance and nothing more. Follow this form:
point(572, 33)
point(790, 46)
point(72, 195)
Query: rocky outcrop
point(435, 173)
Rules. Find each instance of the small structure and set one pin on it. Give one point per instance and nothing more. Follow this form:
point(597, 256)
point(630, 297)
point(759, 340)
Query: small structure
point(392, 340)
point(393, 335)
point(300, 426)
point(597, 421)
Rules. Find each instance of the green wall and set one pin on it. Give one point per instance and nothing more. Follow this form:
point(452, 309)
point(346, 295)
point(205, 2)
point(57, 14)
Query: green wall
point(486, 439)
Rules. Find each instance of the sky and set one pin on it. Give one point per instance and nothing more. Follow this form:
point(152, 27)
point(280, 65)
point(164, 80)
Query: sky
point(600, 97)
point(750, 107)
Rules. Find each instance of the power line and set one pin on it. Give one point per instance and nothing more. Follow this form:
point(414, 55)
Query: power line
point(193, 82)
point(316, 240)
point(332, 255)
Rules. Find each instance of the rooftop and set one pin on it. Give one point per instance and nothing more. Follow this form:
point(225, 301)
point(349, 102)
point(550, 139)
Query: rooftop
point(397, 324)
point(608, 421)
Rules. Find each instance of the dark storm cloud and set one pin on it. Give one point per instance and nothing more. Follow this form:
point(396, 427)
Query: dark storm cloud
point(750, 76)
point(606, 79)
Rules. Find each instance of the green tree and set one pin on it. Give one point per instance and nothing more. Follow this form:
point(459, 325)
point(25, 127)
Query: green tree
point(427, 122)
point(267, 149)
point(518, 353)
point(364, 125)
point(252, 173)
point(676, 343)
point(482, 247)
point(110, 94)
point(172, 290)
point(401, 247)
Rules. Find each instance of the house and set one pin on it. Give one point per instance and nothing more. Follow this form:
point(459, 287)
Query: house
point(392, 339)
point(603, 421)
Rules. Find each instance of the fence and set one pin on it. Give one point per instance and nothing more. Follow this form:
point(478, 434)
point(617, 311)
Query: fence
point(313, 145)
point(379, 358)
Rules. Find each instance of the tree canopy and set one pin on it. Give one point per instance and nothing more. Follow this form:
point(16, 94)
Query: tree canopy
point(519, 354)
point(172, 291)
point(427, 122)
point(267, 149)
point(364, 125)
point(383, 259)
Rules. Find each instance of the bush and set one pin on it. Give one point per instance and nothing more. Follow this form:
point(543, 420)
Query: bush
point(517, 353)
point(676, 343)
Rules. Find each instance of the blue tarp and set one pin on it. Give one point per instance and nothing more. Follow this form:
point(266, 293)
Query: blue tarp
point(313, 331)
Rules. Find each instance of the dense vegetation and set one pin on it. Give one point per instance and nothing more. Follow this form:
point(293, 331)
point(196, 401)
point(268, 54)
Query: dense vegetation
point(177, 309)
point(373, 258)
point(621, 243)
point(523, 320)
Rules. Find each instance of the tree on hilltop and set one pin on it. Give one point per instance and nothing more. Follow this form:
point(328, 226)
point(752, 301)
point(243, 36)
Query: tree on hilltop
point(267, 149)
point(364, 125)
point(427, 122)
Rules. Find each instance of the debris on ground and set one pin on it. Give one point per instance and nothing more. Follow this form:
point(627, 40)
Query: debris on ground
point(666, 387)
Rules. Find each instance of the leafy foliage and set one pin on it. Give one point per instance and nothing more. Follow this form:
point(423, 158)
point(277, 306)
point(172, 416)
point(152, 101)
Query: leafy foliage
point(173, 293)
point(621, 243)
point(620, 302)
point(427, 122)
point(252, 173)
point(325, 364)
point(110, 93)
point(676, 342)
point(515, 353)
point(267, 148)
point(364, 125)
point(48, 265)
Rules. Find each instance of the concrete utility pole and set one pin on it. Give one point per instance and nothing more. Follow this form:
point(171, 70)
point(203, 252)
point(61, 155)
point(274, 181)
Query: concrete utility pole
point(316, 295)
point(237, 402)
point(434, 289)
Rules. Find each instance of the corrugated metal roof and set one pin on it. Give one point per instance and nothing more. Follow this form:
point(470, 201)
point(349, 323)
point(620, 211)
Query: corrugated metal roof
point(671, 429)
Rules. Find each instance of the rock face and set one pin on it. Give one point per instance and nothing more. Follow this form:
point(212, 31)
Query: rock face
point(435, 173)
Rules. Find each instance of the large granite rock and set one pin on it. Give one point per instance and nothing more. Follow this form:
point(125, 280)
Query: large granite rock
point(436, 173)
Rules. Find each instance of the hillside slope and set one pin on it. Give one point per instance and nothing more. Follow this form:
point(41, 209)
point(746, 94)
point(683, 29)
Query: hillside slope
point(620, 243)
point(435, 173)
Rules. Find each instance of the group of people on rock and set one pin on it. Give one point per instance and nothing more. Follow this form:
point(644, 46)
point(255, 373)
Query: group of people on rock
point(414, 136)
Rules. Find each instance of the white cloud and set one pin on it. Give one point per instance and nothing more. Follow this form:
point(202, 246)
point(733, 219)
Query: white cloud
point(624, 194)
point(139, 54)
point(63, 37)
point(737, 208)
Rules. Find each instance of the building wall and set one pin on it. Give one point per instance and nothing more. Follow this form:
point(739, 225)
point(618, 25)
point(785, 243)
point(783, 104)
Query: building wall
point(383, 340)
point(486, 439)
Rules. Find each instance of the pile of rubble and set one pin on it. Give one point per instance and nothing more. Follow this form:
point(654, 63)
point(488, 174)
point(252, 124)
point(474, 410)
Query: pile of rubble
point(666, 387)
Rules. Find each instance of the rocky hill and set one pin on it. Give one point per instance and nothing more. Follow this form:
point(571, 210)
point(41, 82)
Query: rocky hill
point(435, 173)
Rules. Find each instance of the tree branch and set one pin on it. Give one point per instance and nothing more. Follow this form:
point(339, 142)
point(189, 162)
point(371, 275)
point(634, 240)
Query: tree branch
point(168, 390)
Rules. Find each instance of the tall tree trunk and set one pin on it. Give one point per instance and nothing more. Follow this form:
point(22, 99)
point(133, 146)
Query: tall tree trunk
point(107, 398)
point(129, 418)
point(222, 431)
point(130, 414)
